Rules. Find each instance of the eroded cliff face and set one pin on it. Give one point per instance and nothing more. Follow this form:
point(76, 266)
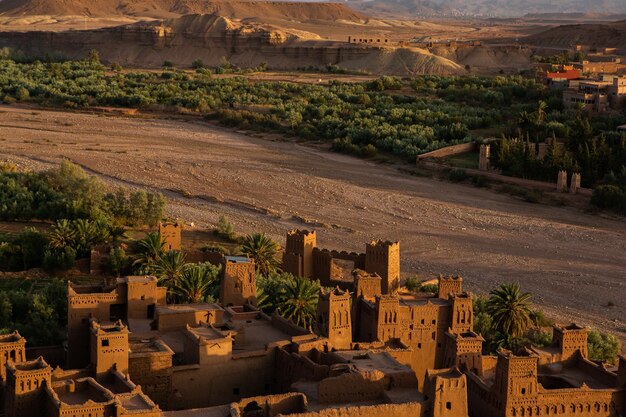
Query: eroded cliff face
point(212, 38)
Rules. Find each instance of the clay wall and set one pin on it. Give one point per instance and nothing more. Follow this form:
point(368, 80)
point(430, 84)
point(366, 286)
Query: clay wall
point(287, 326)
point(172, 321)
point(223, 382)
point(80, 308)
point(273, 405)
point(449, 151)
point(143, 297)
point(351, 387)
point(292, 367)
point(153, 372)
point(413, 409)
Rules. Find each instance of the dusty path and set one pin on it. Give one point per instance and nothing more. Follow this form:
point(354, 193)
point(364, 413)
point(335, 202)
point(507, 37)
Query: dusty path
point(573, 262)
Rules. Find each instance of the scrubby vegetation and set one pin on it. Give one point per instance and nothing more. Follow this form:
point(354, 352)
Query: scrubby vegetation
point(508, 319)
point(35, 308)
point(83, 214)
point(389, 115)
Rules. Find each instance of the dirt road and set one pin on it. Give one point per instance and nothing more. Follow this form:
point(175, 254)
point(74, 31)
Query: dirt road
point(574, 263)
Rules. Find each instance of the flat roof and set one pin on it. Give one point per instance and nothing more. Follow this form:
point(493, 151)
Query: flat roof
point(186, 308)
point(367, 361)
point(237, 259)
point(135, 402)
point(259, 333)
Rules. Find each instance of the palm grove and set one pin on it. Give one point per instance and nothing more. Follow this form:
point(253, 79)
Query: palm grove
point(388, 115)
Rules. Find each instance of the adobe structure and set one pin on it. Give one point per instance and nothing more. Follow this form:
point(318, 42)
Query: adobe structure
point(171, 235)
point(369, 354)
point(332, 268)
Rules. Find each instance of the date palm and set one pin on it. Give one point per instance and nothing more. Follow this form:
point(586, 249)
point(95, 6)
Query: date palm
point(150, 250)
point(263, 250)
point(197, 284)
point(299, 301)
point(62, 234)
point(170, 266)
point(510, 309)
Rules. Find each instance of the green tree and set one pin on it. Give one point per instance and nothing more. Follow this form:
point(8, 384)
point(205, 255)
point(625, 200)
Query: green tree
point(263, 250)
point(198, 283)
point(63, 234)
point(149, 251)
point(603, 346)
point(299, 302)
point(117, 260)
point(170, 267)
point(510, 309)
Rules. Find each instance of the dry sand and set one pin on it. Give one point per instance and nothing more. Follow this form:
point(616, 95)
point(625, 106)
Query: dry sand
point(574, 263)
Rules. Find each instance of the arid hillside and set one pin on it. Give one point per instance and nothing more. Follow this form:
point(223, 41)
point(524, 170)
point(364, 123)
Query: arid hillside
point(595, 35)
point(172, 8)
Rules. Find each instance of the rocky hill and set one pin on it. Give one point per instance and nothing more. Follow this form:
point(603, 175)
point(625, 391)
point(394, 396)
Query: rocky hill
point(173, 8)
point(611, 35)
point(500, 8)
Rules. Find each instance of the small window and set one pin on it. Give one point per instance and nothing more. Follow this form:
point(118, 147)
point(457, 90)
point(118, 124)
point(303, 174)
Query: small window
point(434, 321)
point(419, 345)
point(143, 297)
point(448, 405)
point(523, 391)
point(105, 342)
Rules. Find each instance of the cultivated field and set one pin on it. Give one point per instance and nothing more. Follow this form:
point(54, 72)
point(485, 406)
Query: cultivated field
point(574, 263)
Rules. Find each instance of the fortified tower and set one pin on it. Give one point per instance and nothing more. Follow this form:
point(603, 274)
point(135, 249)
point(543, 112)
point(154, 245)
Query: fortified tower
point(171, 235)
point(334, 318)
point(463, 350)
point(570, 339)
point(483, 158)
point(387, 310)
point(516, 378)
point(109, 348)
point(298, 256)
point(447, 389)
point(12, 348)
point(367, 286)
point(383, 258)
point(24, 388)
point(238, 284)
point(462, 312)
point(448, 286)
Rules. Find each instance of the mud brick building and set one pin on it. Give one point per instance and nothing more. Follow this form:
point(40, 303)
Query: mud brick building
point(373, 351)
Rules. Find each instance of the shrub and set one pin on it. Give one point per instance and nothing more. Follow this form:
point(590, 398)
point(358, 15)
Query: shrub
point(59, 260)
point(197, 64)
point(412, 284)
point(479, 180)
point(603, 346)
point(225, 228)
point(118, 261)
point(168, 64)
point(609, 197)
point(457, 175)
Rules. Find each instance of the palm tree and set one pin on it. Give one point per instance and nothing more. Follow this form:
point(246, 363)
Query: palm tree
point(150, 250)
point(299, 303)
point(263, 250)
point(510, 310)
point(196, 284)
point(62, 234)
point(540, 113)
point(170, 267)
